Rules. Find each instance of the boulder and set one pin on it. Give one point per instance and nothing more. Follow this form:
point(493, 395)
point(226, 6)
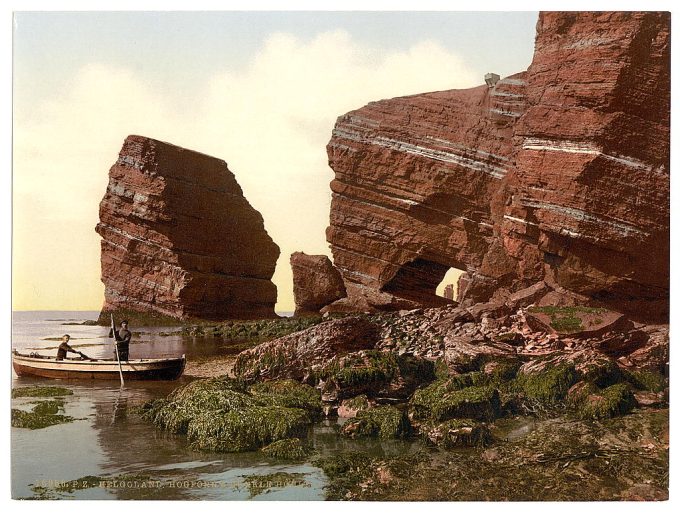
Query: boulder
point(316, 283)
point(296, 355)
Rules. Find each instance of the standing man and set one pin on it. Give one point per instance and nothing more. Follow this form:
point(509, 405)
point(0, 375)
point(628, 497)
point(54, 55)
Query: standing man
point(123, 336)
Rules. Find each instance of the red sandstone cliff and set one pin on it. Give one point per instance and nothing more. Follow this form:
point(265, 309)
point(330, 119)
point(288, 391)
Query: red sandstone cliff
point(560, 173)
point(591, 190)
point(179, 239)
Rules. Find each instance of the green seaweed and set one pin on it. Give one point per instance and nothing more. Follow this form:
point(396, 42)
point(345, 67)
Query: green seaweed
point(381, 421)
point(564, 319)
point(37, 420)
point(287, 449)
point(257, 330)
point(368, 367)
point(440, 402)
point(345, 471)
point(613, 401)
point(247, 429)
point(549, 386)
point(359, 402)
point(441, 370)
point(50, 407)
point(602, 374)
point(218, 414)
point(374, 367)
point(38, 391)
point(651, 381)
point(288, 393)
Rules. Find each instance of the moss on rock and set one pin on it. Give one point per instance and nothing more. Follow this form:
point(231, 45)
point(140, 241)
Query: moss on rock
point(646, 380)
point(220, 414)
point(549, 386)
point(288, 393)
point(611, 402)
point(345, 471)
point(441, 370)
point(602, 374)
point(247, 429)
point(363, 368)
point(287, 449)
point(443, 400)
point(381, 421)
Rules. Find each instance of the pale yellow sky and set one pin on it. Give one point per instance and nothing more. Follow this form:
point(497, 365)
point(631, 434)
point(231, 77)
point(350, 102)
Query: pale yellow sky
point(270, 117)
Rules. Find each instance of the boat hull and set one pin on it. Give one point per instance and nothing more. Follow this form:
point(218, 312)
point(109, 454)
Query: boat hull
point(146, 369)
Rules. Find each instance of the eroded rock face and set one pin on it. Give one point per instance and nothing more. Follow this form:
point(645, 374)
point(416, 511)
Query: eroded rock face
point(179, 238)
point(413, 178)
point(316, 283)
point(590, 195)
point(560, 174)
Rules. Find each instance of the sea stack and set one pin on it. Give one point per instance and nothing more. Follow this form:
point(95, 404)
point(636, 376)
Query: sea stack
point(180, 240)
point(559, 174)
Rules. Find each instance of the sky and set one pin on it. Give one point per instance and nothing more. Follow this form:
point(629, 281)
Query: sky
point(261, 90)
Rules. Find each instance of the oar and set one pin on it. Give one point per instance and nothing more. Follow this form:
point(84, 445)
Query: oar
point(115, 344)
point(84, 356)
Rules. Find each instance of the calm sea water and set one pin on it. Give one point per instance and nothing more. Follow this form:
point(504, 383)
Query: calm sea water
point(108, 442)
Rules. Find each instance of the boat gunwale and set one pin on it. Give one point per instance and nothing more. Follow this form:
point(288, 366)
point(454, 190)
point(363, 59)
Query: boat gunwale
point(102, 362)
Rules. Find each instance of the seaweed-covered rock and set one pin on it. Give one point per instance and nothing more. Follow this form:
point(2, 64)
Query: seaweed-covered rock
point(547, 386)
point(294, 355)
point(444, 400)
point(350, 407)
point(577, 321)
point(288, 393)
point(646, 380)
point(382, 421)
point(287, 449)
point(611, 402)
point(220, 414)
point(456, 433)
point(374, 373)
point(246, 429)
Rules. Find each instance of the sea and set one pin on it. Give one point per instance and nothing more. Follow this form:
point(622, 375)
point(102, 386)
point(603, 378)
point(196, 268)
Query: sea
point(129, 457)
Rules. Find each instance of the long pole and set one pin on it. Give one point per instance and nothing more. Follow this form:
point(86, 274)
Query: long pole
point(115, 344)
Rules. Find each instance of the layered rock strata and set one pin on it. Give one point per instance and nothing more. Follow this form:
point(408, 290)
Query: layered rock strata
point(179, 238)
point(412, 188)
point(560, 173)
point(590, 195)
point(316, 283)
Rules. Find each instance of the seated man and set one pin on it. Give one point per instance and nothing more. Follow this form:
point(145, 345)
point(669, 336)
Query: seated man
point(65, 348)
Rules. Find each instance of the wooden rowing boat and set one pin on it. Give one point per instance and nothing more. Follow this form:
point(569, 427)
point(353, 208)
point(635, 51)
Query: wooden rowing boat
point(80, 368)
